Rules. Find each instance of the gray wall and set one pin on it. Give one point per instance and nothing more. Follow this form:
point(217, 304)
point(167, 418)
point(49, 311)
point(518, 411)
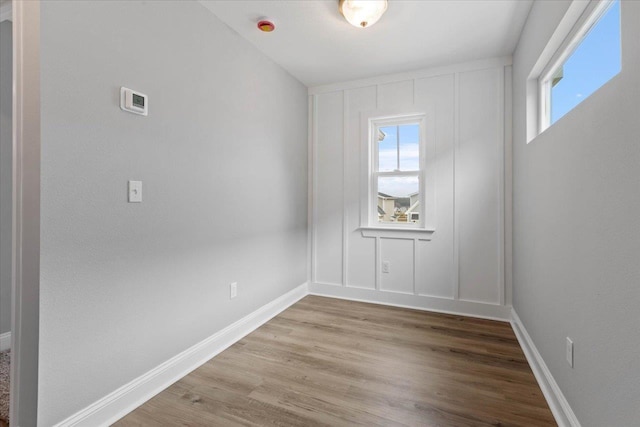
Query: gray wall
point(576, 230)
point(6, 158)
point(223, 160)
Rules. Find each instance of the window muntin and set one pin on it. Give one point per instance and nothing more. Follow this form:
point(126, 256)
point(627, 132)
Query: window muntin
point(589, 61)
point(397, 172)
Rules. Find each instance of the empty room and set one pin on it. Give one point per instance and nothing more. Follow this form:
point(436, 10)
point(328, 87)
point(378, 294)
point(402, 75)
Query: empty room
point(319, 213)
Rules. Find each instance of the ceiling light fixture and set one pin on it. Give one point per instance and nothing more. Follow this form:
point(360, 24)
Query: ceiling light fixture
point(362, 13)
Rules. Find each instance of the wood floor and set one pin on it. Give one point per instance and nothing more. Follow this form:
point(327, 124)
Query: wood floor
point(329, 362)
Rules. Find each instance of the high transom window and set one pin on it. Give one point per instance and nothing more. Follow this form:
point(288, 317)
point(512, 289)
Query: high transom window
point(590, 59)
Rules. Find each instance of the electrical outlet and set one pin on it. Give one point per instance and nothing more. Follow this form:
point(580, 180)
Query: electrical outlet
point(386, 266)
point(233, 290)
point(570, 352)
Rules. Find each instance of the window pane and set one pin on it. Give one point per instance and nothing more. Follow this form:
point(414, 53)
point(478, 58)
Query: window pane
point(399, 148)
point(409, 136)
point(398, 199)
point(387, 148)
point(595, 61)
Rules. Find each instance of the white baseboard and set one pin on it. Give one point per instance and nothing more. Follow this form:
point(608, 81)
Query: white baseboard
point(557, 402)
point(5, 341)
point(128, 397)
point(417, 302)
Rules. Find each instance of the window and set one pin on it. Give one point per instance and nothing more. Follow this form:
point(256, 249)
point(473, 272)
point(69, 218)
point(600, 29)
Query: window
point(591, 58)
point(397, 172)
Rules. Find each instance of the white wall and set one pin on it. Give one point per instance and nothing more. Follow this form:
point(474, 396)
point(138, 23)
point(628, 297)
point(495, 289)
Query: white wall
point(223, 160)
point(576, 230)
point(6, 158)
point(461, 268)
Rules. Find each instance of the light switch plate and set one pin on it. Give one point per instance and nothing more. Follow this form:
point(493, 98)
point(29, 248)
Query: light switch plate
point(135, 191)
point(570, 352)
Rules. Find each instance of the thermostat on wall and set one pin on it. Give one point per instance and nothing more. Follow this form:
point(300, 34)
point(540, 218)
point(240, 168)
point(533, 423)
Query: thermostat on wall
point(134, 102)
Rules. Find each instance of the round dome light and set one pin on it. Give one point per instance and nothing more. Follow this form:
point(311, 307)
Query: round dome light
point(362, 13)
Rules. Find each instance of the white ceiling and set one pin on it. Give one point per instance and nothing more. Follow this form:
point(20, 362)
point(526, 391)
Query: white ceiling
point(315, 43)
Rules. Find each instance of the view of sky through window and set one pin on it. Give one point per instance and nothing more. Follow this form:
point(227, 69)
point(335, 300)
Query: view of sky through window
point(388, 149)
point(595, 61)
point(399, 150)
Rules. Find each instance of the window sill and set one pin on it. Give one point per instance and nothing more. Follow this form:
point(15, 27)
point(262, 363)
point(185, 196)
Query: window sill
point(397, 232)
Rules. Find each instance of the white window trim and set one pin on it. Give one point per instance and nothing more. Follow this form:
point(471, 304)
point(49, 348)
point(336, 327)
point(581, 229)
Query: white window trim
point(591, 15)
point(369, 224)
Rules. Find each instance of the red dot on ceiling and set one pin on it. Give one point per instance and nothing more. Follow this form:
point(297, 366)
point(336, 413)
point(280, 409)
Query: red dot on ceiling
point(266, 26)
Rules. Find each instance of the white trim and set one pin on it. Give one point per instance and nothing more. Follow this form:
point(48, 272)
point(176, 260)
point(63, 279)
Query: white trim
point(378, 265)
point(415, 266)
point(416, 302)
point(5, 341)
point(413, 75)
point(345, 212)
point(310, 188)
point(507, 178)
point(397, 233)
point(6, 12)
point(500, 152)
point(456, 193)
point(314, 187)
point(558, 404)
point(26, 213)
point(128, 397)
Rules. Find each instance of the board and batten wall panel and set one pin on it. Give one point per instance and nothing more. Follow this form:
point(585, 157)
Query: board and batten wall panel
point(361, 251)
point(435, 259)
point(397, 94)
point(328, 206)
point(398, 253)
point(460, 267)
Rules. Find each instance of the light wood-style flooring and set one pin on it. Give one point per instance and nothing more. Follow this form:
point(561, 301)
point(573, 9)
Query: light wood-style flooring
point(329, 362)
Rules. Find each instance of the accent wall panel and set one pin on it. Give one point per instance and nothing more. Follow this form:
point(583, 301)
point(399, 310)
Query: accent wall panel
point(328, 186)
point(398, 253)
point(435, 258)
point(398, 94)
point(459, 267)
point(361, 251)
